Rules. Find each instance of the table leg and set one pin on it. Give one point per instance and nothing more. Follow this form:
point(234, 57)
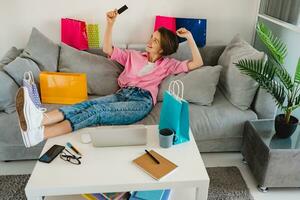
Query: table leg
point(201, 193)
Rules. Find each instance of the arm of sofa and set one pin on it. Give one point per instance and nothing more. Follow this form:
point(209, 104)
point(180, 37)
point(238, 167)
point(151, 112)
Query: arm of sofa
point(264, 105)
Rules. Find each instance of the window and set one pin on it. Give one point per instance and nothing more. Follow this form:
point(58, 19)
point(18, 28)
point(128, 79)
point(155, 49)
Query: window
point(285, 10)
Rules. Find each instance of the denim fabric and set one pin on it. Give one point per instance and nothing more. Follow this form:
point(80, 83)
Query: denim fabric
point(126, 106)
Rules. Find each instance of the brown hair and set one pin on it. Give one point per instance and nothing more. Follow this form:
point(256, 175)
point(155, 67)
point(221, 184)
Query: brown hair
point(168, 41)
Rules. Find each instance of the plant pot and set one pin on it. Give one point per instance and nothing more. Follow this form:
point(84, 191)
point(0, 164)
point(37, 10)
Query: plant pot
point(284, 130)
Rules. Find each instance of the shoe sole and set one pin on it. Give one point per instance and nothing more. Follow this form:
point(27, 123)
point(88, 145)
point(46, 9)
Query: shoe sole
point(20, 110)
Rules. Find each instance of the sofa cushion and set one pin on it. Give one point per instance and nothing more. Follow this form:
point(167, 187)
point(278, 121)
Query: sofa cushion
point(42, 50)
point(183, 52)
point(101, 72)
point(199, 85)
point(8, 90)
point(220, 120)
point(211, 54)
point(236, 86)
point(9, 56)
point(19, 66)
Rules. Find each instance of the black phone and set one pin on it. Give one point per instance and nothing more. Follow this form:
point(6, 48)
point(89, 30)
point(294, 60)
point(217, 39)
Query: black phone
point(122, 9)
point(51, 153)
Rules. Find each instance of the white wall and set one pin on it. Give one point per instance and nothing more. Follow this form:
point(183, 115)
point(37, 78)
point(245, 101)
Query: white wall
point(225, 18)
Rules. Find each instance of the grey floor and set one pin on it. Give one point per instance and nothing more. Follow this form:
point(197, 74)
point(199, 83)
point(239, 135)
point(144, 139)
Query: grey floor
point(210, 160)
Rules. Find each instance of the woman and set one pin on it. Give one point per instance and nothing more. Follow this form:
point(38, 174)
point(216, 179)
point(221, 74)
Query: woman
point(139, 83)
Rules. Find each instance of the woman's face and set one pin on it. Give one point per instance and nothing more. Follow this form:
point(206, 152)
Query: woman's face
point(153, 45)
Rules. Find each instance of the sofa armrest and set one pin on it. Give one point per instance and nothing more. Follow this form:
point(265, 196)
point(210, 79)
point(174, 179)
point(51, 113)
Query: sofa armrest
point(264, 105)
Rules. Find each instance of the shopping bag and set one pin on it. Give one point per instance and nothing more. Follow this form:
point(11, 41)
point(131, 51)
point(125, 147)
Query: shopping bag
point(73, 33)
point(93, 36)
point(175, 113)
point(166, 22)
point(63, 88)
point(196, 26)
point(28, 82)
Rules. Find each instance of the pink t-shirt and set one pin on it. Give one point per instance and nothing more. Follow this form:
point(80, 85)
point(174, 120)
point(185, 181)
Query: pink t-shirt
point(134, 61)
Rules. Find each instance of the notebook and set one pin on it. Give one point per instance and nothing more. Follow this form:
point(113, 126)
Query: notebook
point(157, 171)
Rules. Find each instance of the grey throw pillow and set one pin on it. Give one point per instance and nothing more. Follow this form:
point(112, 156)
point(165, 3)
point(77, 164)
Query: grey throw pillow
point(238, 88)
point(19, 66)
point(101, 72)
point(199, 84)
point(183, 52)
point(42, 50)
point(8, 90)
point(9, 56)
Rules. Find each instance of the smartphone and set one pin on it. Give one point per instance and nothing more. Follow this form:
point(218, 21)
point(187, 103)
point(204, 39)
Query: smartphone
point(51, 153)
point(122, 9)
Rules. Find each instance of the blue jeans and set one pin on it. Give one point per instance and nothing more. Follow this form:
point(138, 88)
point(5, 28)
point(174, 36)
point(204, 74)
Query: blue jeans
point(126, 106)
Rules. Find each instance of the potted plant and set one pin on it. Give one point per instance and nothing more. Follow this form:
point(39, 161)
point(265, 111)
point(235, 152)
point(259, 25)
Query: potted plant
point(271, 75)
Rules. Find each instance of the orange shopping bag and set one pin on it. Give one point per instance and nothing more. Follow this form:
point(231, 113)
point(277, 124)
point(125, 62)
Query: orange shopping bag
point(63, 88)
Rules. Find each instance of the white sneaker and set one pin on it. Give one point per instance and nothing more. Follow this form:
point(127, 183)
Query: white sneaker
point(30, 117)
point(33, 116)
point(33, 136)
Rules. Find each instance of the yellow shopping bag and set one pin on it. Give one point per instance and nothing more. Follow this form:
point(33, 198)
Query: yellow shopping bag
point(93, 36)
point(63, 88)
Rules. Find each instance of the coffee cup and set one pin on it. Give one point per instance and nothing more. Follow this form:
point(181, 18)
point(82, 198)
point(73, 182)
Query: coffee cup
point(166, 137)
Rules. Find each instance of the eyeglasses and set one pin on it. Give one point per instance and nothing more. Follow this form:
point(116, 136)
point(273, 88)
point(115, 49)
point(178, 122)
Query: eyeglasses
point(68, 156)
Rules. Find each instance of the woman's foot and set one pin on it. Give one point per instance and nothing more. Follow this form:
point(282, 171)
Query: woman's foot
point(30, 117)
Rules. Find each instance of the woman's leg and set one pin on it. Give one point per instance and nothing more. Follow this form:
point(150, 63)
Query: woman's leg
point(117, 113)
point(58, 115)
point(61, 128)
point(52, 117)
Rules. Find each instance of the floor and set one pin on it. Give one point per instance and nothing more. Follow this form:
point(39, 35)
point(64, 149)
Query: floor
point(210, 160)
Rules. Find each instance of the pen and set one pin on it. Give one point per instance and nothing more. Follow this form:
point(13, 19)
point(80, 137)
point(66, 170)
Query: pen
point(73, 148)
point(152, 156)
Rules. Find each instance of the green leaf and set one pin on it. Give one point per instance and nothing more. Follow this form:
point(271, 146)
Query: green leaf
point(264, 75)
point(297, 73)
point(276, 47)
point(284, 77)
point(276, 90)
point(256, 69)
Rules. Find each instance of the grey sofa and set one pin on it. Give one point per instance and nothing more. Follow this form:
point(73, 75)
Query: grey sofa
point(216, 128)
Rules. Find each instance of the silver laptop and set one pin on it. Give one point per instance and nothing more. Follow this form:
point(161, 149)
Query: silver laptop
point(112, 136)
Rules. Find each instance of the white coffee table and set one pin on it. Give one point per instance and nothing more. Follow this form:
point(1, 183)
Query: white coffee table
point(111, 169)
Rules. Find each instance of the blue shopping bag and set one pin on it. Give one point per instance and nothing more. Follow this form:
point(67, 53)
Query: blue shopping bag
point(175, 114)
point(196, 26)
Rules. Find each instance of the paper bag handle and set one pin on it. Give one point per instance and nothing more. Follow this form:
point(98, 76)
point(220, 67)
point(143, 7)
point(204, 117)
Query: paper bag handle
point(179, 85)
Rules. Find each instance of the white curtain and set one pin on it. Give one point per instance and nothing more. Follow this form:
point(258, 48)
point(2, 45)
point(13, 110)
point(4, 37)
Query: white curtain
point(285, 10)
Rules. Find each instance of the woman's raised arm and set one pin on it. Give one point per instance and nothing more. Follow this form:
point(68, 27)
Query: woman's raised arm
point(107, 44)
point(196, 61)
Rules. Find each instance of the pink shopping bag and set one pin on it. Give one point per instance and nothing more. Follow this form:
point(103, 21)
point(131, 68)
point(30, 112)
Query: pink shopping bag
point(73, 33)
point(167, 22)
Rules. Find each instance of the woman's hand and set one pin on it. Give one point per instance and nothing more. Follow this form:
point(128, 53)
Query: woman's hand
point(111, 16)
point(184, 33)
